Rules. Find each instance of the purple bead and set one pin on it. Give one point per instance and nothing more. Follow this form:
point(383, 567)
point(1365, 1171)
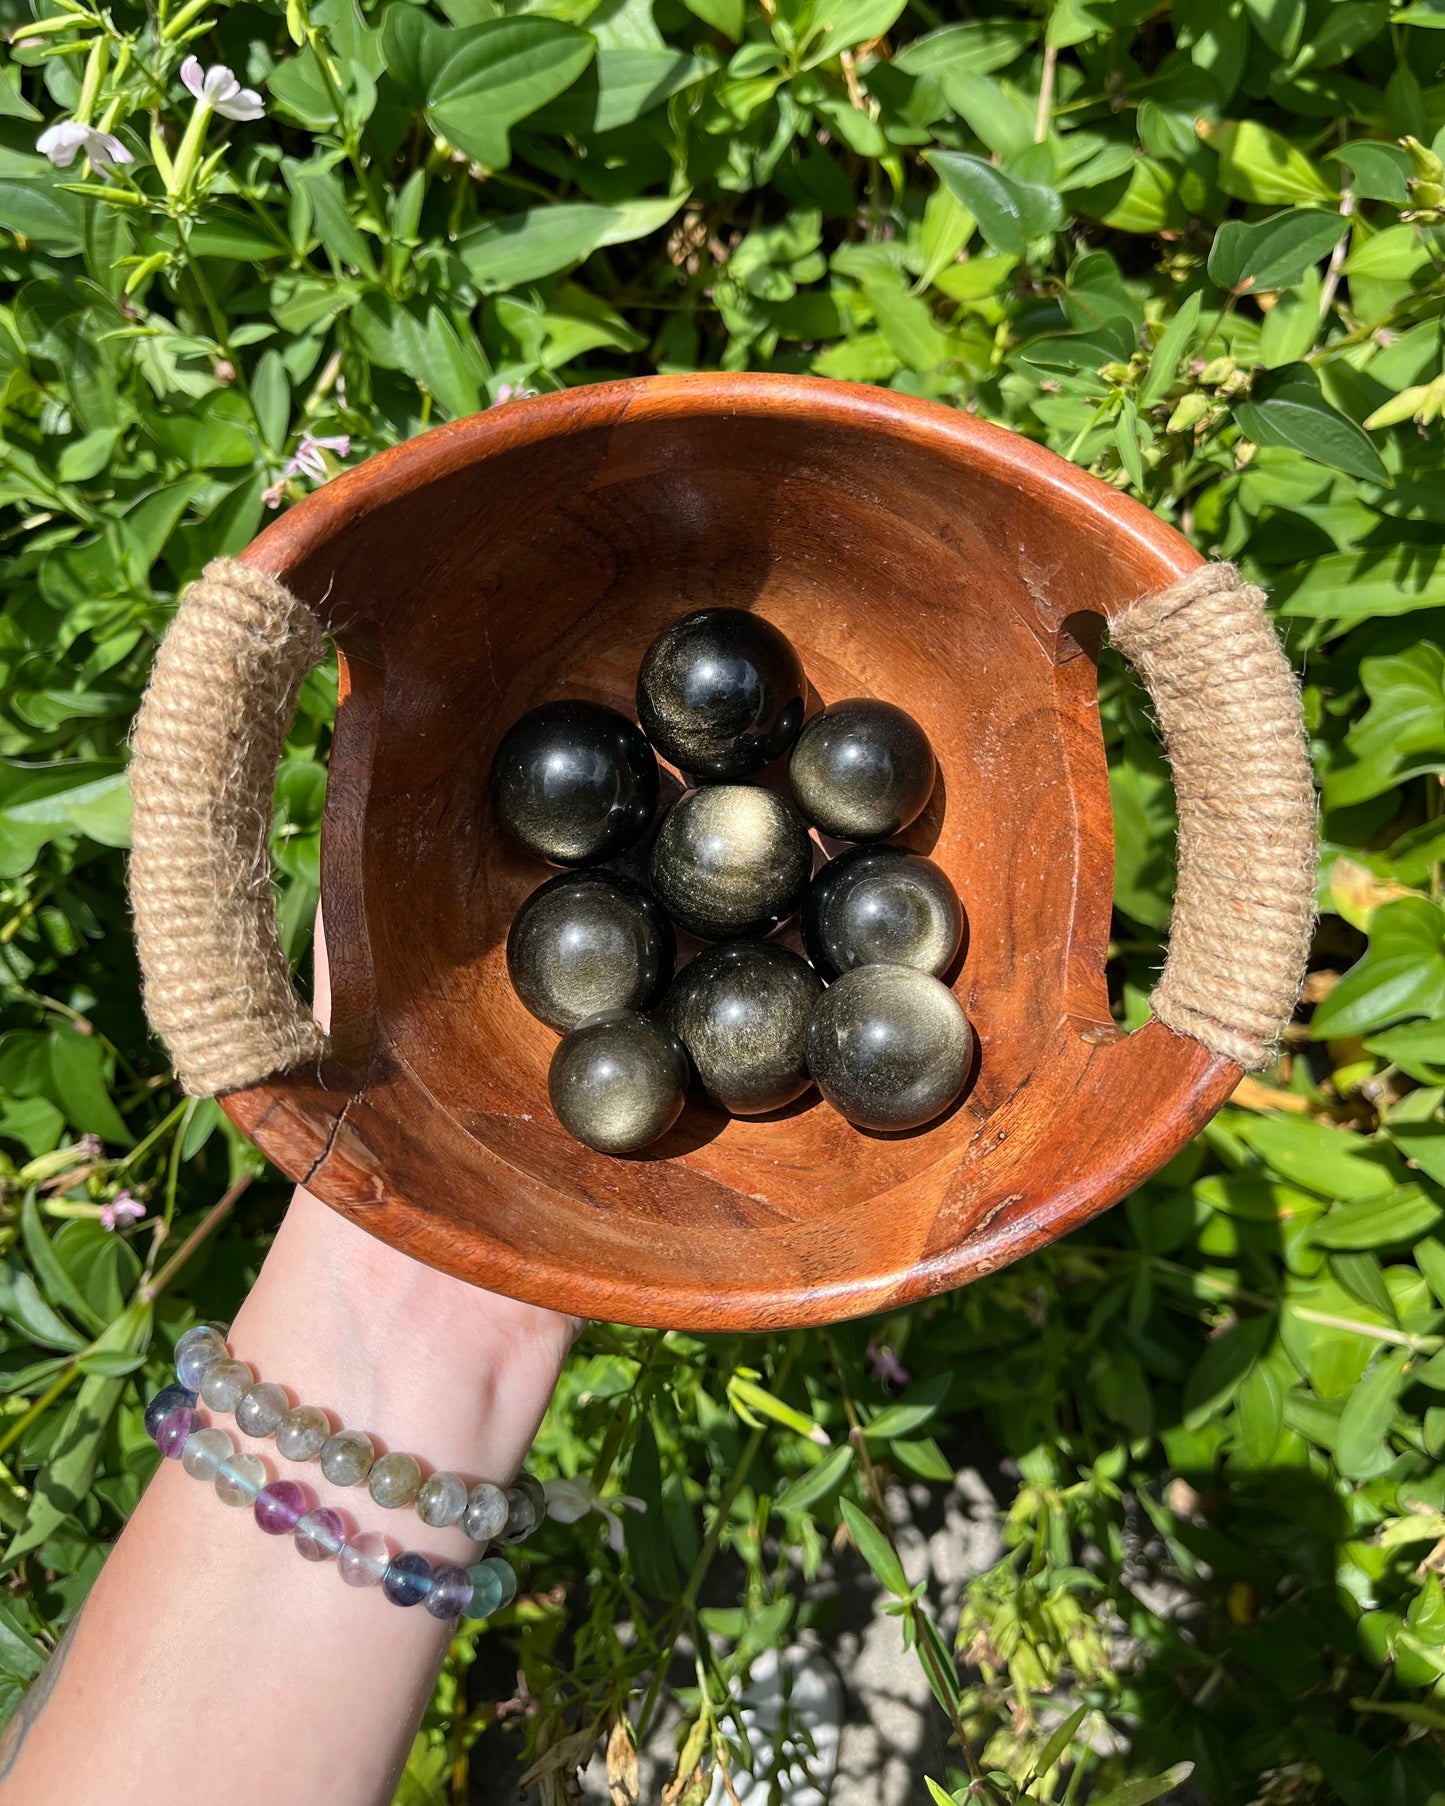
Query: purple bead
point(451, 1592)
point(408, 1580)
point(320, 1534)
point(168, 1399)
point(280, 1507)
point(174, 1428)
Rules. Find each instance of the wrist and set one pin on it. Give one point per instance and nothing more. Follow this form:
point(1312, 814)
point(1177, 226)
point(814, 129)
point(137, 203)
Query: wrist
point(422, 1362)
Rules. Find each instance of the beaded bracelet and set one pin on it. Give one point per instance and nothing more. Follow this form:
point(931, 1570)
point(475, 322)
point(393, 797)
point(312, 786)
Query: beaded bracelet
point(486, 1512)
point(280, 1507)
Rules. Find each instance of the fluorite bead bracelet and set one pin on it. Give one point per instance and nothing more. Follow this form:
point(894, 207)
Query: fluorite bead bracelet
point(486, 1512)
point(280, 1508)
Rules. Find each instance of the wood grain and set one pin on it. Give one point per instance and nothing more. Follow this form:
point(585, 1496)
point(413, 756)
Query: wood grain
point(910, 552)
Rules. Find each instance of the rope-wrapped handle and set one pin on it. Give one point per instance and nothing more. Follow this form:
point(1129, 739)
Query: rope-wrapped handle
point(207, 742)
point(211, 729)
point(1244, 904)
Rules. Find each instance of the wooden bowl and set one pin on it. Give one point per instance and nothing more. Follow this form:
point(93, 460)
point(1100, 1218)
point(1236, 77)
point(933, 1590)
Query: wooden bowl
point(910, 553)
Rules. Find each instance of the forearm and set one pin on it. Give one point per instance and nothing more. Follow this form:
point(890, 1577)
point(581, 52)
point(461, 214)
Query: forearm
point(210, 1660)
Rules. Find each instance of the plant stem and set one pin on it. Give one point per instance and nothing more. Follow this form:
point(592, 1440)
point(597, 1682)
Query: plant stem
point(212, 1220)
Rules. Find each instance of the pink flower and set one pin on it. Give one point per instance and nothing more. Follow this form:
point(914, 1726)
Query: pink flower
point(218, 89)
point(885, 1366)
point(512, 392)
point(307, 461)
point(122, 1211)
point(63, 143)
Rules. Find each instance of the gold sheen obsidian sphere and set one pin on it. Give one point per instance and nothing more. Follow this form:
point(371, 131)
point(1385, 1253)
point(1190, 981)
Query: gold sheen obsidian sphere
point(730, 861)
point(862, 769)
point(618, 1081)
point(741, 1010)
point(881, 906)
point(575, 782)
point(889, 1047)
point(720, 693)
point(586, 942)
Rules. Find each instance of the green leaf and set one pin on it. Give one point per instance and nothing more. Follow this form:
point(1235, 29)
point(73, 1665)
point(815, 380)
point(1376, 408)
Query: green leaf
point(523, 247)
point(271, 397)
point(1273, 253)
point(1400, 736)
point(1360, 1443)
point(1220, 1370)
point(1347, 587)
point(908, 325)
point(21, 1302)
point(1331, 1162)
point(78, 1075)
point(1010, 214)
point(1378, 172)
point(1417, 1049)
point(844, 23)
point(981, 45)
point(1139, 1793)
point(1392, 1221)
point(1402, 974)
point(505, 70)
point(817, 1482)
point(1287, 408)
point(1174, 342)
point(909, 1414)
point(1259, 1414)
point(875, 1549)
point(1060, 1742)
point(65, 1479)
point(60, 1288)
point(1256, 164)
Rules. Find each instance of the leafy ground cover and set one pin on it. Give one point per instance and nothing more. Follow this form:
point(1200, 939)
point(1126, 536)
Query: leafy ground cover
point(1197, 249)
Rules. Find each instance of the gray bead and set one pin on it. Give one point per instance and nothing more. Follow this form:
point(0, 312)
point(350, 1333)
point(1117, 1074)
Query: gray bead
point(889, 1047)
point(394, 1480)
point(302, 1433)
point(618, 1082)
point(523, 1515)
point(441, 1500)
point(224, 1383)
point(586, 942)
point(485, 1517)
point(862, 769)
point(347, 1457)
point(261, 1409)
point(741, 1010)
point(730, 862)
point(199, 1348)
point(885, 906)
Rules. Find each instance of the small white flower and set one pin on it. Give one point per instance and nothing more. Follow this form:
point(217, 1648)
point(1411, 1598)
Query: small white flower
point(218, 89)
point(63, 143)
point(569, 1500)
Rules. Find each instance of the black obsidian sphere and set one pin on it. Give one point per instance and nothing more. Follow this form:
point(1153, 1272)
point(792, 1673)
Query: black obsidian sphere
point(862, 769)
point(586, 942)
point(730, 861)
point(741, 1010)
point(720, 693)
point(575, 782)
point(618, 1081)
point(889, 1047)
point(881, 906)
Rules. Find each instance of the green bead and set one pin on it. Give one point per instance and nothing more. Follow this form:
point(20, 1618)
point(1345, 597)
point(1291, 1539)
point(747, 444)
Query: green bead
point(224, 1384)
point(394, 1481)
point(347, 1457)
point(261, 1409)
point(494, 1585)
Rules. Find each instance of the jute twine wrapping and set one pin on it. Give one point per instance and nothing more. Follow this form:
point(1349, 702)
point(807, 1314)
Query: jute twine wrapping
point(206, 746)
point(211, 729)
point(1244, 906)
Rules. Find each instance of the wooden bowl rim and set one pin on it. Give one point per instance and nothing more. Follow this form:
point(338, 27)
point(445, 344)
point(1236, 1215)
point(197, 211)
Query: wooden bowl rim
point(280, 1112)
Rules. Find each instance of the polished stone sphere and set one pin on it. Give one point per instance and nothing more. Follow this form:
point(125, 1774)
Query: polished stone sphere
point(862, 769)
point(889, 1047)
point(574, 782)
point(618, 1081)
point(881, 906)
point(720, 693)
point(730, 861)
point(741, 1010)
point(586, 942)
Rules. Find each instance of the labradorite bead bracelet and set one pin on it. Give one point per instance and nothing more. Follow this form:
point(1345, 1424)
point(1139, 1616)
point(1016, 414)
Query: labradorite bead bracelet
point(282, 1507)
point(486, 1512)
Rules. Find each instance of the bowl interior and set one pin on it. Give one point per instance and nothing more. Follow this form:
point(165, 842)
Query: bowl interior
point(905, 563)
